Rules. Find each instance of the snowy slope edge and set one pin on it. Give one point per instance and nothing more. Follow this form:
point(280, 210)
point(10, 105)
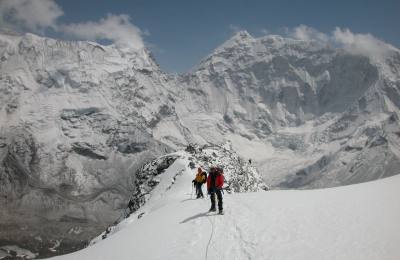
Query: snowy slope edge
point(239, 176)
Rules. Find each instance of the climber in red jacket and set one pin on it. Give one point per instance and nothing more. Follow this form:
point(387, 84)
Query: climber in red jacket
point(215, 181)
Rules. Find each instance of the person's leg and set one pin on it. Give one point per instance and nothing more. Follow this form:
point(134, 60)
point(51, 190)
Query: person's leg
point(212, 197)
point(197, 190)
point(201, 190)
point(219, 196)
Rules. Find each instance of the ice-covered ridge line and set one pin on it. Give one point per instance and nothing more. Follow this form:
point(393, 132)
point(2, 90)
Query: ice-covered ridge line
point(40, 49)
point(156, 178)
point(288, 45)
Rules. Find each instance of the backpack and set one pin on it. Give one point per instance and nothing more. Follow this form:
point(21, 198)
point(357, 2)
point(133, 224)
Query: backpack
point(204, 175)
point(200, 178)
point(214, 174)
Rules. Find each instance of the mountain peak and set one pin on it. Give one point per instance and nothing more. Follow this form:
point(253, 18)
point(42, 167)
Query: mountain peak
point(239, 38)
point(242, 35)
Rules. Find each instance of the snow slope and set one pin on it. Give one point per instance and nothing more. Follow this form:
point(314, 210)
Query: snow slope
point(351, 222)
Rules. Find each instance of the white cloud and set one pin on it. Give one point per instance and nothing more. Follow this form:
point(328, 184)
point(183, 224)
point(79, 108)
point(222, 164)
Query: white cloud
point(235, 28)
point(116, 28)
point(364, 44)
point(38, 15)
point(306, 33)
point(264, 31)
point(34, 15)
point(356, 43)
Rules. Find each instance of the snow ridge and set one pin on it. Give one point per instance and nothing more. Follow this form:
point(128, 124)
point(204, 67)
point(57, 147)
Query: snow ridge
point(239, 177)
point(322, 224)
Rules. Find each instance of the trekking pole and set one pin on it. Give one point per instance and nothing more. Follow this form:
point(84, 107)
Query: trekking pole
point(191, 195)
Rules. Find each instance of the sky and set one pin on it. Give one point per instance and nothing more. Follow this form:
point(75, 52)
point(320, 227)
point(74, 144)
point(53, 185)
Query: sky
point(182, 32)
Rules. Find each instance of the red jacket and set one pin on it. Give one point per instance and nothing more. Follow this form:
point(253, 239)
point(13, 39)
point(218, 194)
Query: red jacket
point(219, 180)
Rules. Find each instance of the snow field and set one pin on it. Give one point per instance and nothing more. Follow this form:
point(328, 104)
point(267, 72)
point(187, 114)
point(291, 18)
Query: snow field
point(352, 222)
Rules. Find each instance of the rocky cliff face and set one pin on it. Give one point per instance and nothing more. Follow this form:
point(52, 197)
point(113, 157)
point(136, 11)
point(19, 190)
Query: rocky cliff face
point(78, 119)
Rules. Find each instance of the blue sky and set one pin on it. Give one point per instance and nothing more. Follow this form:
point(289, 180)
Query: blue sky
point(181, 32)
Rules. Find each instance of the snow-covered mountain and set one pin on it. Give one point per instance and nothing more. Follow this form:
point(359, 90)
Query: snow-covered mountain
point(352, 222)
point(78, 120)
point(76, 123)
point(311, 115)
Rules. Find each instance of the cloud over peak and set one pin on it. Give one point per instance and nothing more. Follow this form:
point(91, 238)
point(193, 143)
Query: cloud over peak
point(116, 28)
point(357, 43)
point(39, 15)
point(305, 33)
point(27, 14)
point(365, 44)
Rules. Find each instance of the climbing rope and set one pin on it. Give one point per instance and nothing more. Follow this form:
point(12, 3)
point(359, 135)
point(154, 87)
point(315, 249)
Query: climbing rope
point(211, 235)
